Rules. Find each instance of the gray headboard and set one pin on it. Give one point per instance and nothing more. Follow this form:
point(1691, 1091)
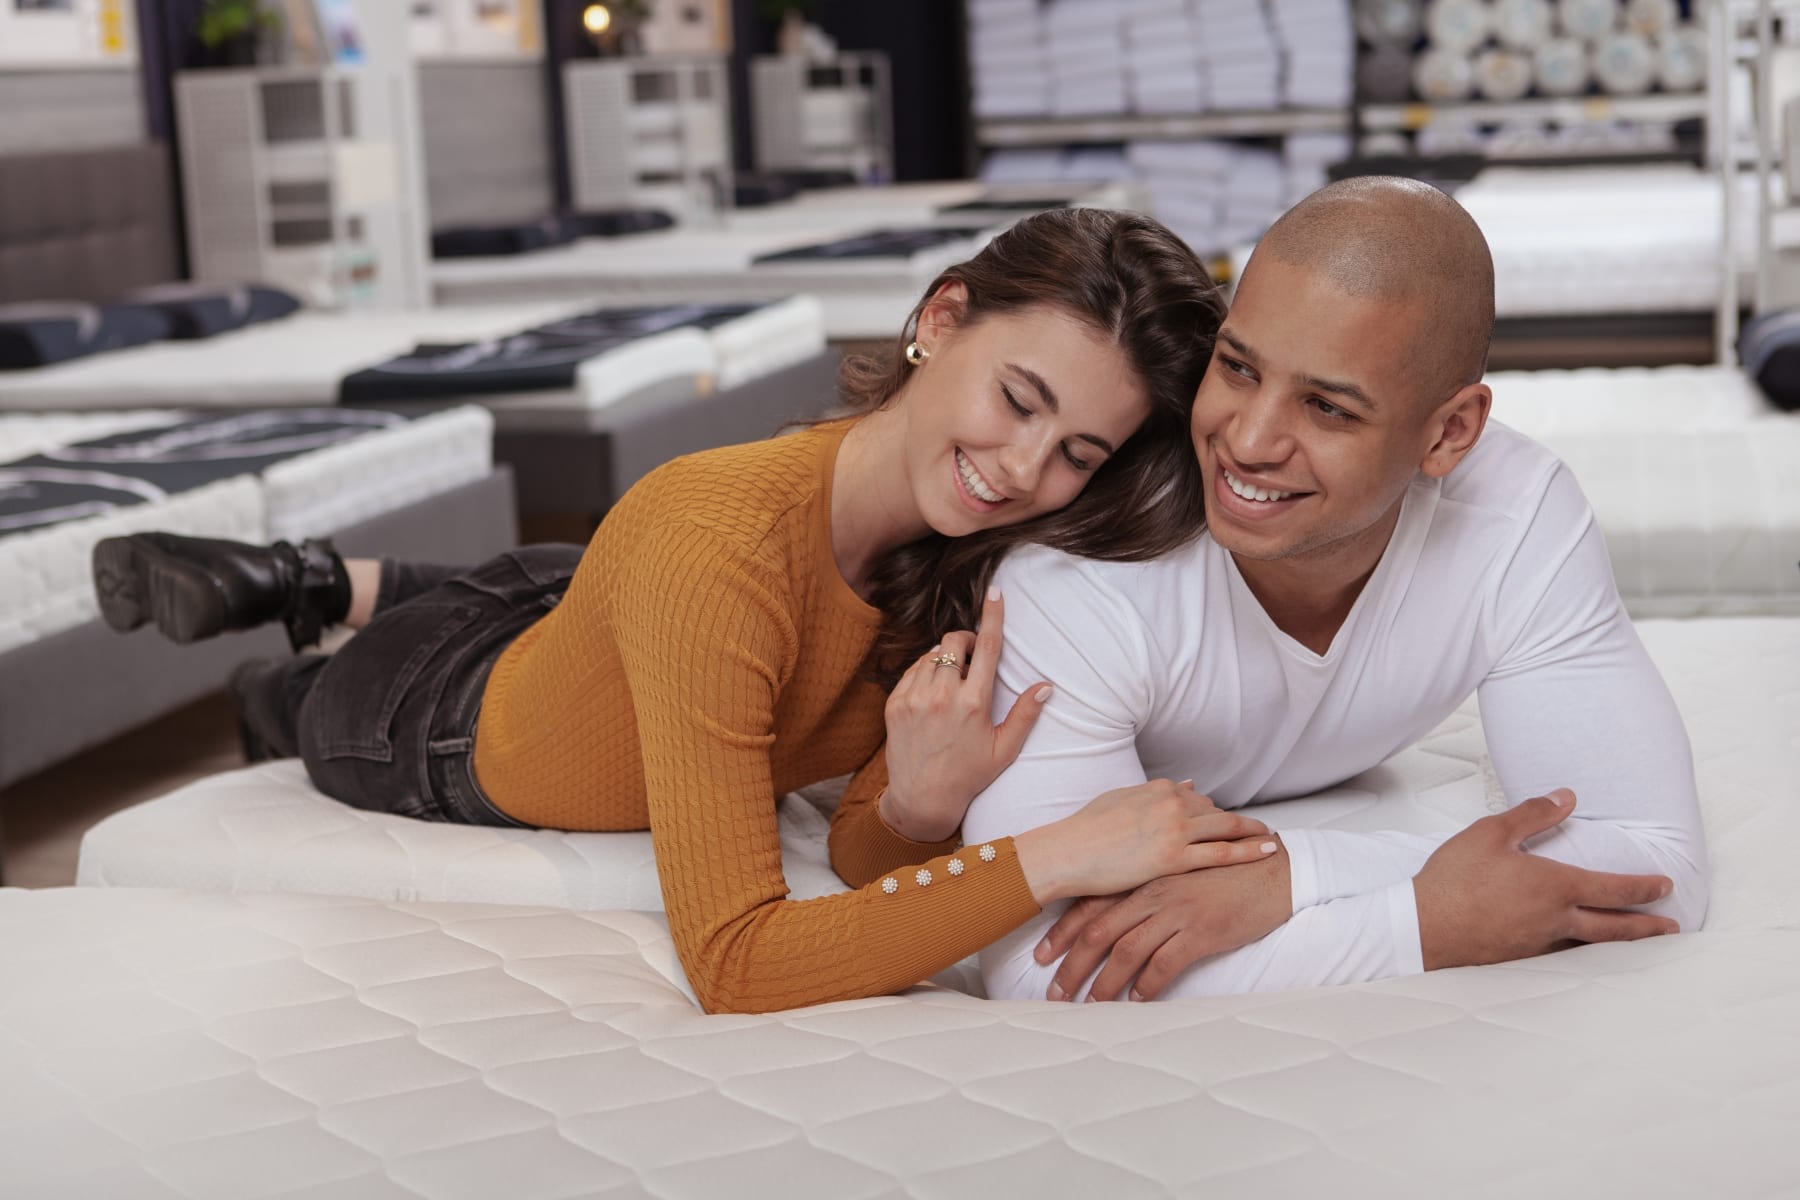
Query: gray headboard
point(487, 142)
point(85, 224)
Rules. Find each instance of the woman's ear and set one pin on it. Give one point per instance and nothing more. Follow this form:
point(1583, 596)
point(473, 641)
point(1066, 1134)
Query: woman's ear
point(942, 314)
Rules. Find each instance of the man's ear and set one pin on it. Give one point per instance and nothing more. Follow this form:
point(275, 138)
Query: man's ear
point(942, 314)
point(1454, 427)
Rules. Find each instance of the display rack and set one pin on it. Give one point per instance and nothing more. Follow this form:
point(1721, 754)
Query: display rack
point(293, 178)
point(1494, 96)
point(650, 133)
point(824, 116)
point(1061, 131)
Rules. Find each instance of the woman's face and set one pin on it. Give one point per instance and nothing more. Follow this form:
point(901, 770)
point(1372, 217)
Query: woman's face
point(1010, 417)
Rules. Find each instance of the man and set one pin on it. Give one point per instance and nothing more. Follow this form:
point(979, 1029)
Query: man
point(1376, 551)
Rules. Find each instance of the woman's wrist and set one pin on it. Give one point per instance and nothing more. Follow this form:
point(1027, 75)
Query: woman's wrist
point(894, 813)
point(1039, 861)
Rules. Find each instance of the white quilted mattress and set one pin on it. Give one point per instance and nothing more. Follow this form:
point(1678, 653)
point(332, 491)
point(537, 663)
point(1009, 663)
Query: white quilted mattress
point(294, 361)
point(861, 299)
point(1594, 240)
point(45, 580)
point(190, 1044)
point(1694, 476)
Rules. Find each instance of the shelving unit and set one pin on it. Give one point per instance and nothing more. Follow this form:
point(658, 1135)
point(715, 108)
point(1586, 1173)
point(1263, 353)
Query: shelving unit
point(650, 133)
point(293, 178)
point(1062, 131)
point(813, 116)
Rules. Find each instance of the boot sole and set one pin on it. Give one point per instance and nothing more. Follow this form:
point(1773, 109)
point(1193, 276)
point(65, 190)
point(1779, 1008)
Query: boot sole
point(138, 584)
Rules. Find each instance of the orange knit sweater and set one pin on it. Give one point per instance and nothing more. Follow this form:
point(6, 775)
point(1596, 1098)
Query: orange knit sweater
point(708, 657)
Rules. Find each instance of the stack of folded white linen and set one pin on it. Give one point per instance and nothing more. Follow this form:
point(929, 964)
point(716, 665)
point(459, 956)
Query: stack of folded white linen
point(1022, 165)
point(1257, 195)
point(1320, 52)
point(1085, 44)
point(1241, 58)
point(1309, 158)
point(1007, 60)
point(1162, 50)
point(1187, 183)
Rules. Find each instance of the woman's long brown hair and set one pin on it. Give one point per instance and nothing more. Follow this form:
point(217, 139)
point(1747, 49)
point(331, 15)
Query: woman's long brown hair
point(1138, 285)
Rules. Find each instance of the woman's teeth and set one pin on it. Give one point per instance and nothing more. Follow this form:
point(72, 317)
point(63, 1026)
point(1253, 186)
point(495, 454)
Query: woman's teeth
point(977, 488)
point(1252, 493)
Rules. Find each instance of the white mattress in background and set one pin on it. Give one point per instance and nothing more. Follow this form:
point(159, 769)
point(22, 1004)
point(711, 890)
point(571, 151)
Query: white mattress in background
point(201, 1044)
point(1543, 404)
point(25, 434)
point(768, 340)
point(313, 494)
point(264, 829)
point(294, 361)
point(46, 583)
point(1692, 474)
point(867, 298)
point(1594, 240)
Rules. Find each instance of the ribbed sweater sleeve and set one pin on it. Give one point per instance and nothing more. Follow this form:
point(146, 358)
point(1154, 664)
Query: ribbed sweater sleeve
point(706, 640)
point(863, 846)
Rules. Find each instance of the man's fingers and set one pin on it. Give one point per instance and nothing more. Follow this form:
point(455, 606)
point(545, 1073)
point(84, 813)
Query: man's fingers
point(1010, 735)
point(1092, 942)
point(1532, 817)
point(1062, 935)
point(1601, 925)
point(1201, 855)
point(1171, 959)
point(1600, 889)
point(1129, 954)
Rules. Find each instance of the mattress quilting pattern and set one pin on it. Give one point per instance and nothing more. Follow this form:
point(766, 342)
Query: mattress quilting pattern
point(1737, 683)
point(200, 1045)
point(313, 494)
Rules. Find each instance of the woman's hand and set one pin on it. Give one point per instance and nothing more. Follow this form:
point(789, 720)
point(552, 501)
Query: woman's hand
point(943, 748)
point(1133, 835)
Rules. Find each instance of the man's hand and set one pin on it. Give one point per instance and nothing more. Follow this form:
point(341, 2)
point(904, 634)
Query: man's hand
point(1155, 933)
point(1484, 899)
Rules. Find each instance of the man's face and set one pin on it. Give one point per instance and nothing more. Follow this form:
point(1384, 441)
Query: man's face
point(1308, 426)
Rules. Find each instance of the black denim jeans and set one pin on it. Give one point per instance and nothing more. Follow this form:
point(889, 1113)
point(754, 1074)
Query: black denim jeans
point(388, 722)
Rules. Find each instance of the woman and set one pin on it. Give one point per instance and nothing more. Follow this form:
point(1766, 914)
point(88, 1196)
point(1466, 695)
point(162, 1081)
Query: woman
point(724, 636)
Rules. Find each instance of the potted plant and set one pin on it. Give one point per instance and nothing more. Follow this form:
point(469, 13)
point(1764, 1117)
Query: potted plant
point(229, 31)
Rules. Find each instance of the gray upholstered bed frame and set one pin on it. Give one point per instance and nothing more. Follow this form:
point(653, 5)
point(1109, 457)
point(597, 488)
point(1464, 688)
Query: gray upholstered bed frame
point(87, 224)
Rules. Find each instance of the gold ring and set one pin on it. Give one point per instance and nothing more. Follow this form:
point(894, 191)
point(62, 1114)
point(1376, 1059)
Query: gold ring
point(946, 659)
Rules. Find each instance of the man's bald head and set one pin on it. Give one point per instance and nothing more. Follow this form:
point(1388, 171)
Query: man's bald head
point(1402, 240)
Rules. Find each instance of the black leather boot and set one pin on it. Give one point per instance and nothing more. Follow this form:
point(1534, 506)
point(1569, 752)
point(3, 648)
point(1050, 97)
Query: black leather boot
point(192, 588)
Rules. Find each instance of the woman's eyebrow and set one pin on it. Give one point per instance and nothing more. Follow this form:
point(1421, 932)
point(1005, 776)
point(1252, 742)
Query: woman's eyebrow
point(1043, 389)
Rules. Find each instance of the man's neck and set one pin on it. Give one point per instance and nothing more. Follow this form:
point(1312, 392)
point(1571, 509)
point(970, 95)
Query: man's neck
point(1310, 596)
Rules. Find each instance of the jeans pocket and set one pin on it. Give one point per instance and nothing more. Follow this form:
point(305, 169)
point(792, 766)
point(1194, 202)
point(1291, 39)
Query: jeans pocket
point(361, 693)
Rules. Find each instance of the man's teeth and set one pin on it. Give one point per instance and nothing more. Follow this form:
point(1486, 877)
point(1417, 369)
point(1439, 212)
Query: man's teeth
point(973, 482)
point(1252, 493)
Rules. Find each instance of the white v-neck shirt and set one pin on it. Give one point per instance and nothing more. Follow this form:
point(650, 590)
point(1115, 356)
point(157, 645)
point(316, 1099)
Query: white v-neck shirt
point(1495, 579)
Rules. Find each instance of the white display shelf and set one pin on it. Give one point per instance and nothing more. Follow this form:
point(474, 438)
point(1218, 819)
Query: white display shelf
point(1058, 131)
point(1565, 111)
point(833, 115)
point(649, 132)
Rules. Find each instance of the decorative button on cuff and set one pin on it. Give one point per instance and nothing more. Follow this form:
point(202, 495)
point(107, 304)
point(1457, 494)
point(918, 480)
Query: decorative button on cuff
point(955, 866)
point(890, 885)
point(988, 853)
point(923, 878)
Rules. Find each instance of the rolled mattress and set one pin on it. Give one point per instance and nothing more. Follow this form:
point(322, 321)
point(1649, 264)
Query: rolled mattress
point(208, 1044)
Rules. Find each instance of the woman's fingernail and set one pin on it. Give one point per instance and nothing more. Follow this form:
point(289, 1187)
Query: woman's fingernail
point(1137, 997)
point(1268, 847)
point(993, 592)
point(1056, 992)
point(1044, 693)
point(1187, 783)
